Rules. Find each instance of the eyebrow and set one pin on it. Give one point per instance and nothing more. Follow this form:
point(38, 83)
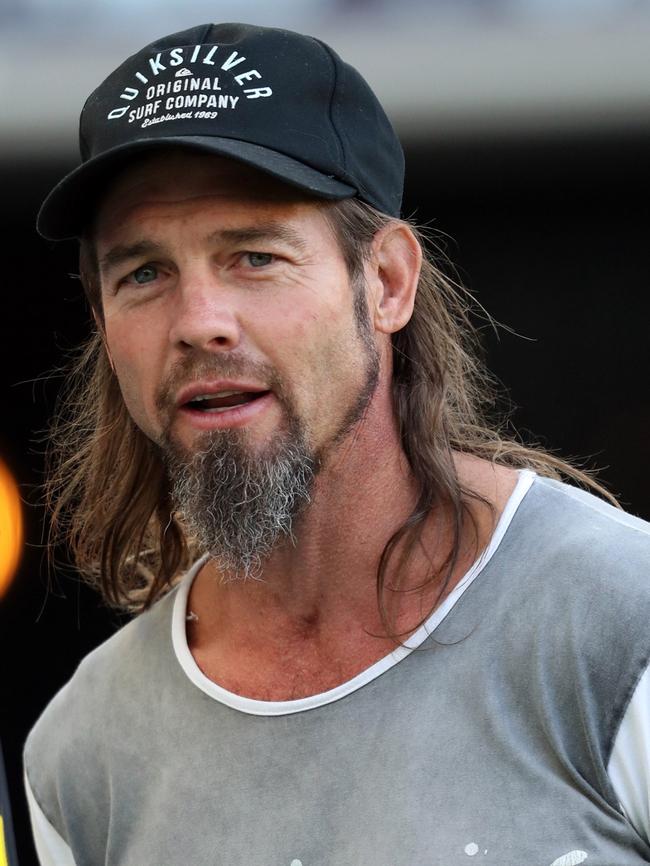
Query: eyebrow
point(121, 253)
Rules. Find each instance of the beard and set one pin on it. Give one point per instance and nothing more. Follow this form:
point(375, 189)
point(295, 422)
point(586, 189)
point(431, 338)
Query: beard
point(239, 505)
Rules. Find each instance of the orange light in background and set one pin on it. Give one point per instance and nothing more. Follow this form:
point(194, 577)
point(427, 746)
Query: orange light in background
point(11, 528)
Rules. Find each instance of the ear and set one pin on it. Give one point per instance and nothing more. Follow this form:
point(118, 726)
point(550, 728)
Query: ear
point(392, 277)
point(102, 330)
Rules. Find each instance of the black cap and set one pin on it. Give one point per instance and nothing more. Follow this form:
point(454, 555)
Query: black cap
point(276, 100)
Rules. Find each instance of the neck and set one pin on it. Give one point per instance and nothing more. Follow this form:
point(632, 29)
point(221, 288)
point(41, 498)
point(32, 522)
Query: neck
point(361, 496)
point(313, 616)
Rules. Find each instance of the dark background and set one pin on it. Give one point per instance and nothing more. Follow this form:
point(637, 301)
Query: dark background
point(549, 234)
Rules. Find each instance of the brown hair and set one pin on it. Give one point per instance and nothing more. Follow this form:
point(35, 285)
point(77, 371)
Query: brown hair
point(107, 492)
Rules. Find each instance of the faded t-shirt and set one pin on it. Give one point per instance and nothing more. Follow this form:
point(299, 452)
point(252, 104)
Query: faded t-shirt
point(487, 744)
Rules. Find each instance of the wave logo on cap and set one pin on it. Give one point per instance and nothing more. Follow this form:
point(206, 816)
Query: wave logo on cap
point(198, 90)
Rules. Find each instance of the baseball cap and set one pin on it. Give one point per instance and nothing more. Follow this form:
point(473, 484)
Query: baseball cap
point(276, 100)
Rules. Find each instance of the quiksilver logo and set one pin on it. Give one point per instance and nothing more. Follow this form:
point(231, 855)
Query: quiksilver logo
point(193, 86)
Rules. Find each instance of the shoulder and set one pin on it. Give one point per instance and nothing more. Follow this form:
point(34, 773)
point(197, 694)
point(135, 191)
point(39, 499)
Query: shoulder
point(568, 589)
point(564, 605)
point(577, 579)
point(565, 529)
point(91, 712)
point(577, 562)
point(129, 656)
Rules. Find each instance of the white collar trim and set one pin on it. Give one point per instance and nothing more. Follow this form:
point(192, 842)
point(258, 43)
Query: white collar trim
point(281, 708)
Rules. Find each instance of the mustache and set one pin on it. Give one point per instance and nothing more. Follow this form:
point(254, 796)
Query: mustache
point(208, 366)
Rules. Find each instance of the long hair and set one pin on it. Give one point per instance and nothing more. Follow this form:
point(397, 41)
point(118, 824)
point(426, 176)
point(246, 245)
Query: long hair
point(107, 491)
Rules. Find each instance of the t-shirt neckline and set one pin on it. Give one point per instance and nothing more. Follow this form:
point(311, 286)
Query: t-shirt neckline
point(256, 707)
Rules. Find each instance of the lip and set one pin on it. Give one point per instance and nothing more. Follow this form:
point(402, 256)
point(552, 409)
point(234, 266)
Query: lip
point(234, 417)
point(212, 387)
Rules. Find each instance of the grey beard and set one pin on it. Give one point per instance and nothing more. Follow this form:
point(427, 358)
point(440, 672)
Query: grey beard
point(239, 506)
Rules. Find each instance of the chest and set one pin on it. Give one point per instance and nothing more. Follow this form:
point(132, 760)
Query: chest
point(297, 670)
point(338, 797)
point(408, 770)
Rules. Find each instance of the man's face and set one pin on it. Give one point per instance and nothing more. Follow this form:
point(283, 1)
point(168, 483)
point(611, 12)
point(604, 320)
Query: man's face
point(229, 316)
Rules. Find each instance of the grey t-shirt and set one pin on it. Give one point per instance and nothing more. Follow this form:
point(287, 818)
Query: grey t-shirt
point(488, 744)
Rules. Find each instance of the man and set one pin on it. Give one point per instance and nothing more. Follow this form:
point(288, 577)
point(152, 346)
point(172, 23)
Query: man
point(374, 632)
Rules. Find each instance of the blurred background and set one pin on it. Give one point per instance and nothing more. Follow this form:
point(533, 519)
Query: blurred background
point(526, 126)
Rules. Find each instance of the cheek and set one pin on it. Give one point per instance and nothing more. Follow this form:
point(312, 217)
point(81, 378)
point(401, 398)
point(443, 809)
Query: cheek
point(126, 349)
point(134, 361)
point(304, 337)
point(325, 360)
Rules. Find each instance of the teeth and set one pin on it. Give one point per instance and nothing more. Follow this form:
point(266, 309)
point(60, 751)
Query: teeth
point(212, 396)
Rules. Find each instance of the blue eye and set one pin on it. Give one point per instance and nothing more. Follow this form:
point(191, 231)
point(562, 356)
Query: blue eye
point(145, 274)
point(259, 260)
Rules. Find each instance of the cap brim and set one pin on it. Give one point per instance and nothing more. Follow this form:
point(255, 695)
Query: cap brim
point(67, 209)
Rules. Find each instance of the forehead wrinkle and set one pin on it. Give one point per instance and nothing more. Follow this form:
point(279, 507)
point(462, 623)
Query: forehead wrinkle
point(267, 231)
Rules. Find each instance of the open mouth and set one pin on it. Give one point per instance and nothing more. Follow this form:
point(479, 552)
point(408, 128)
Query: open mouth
point(222, 401)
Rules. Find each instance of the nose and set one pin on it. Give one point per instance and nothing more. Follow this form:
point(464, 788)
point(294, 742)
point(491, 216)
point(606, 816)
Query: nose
point(205, 314)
